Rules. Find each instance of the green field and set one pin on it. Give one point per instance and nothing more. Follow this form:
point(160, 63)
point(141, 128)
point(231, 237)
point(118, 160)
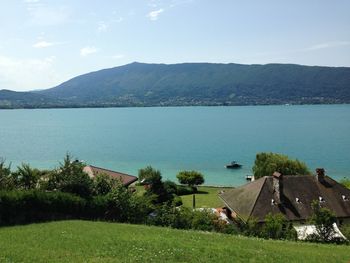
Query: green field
point(207, 197)
point(84, 241)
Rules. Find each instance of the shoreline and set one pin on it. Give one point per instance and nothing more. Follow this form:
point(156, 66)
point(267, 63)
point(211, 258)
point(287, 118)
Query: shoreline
point(168, 106)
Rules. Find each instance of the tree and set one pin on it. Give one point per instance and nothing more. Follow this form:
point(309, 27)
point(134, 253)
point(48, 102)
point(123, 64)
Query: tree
point(71, 178)
point(191, 178)
point(268, 163)
point(124, 206)
point(323, 219)
point(6, 180)
point(156, 188)
point(103, 184)
point(26, 177)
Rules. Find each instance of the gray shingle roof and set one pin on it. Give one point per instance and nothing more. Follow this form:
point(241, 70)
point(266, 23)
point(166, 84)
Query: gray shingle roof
point(253, 200)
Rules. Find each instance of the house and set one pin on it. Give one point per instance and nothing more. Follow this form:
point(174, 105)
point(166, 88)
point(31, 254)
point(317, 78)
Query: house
point(290, 195)
point(126, 179)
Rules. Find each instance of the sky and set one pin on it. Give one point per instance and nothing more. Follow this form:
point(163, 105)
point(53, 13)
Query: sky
point(44, 43)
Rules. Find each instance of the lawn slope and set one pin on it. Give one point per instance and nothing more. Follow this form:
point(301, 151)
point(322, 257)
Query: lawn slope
point(84, 241)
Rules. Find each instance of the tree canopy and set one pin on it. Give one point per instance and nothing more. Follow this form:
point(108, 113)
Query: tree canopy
point(157, 189)
point(191, 178)
point(268, 163)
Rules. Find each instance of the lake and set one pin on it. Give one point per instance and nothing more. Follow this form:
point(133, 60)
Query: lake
point(172, 139)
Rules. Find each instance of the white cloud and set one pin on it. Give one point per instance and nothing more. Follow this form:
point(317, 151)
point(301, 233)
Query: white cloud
point(85, 51)
point(153, 15)
point(31, 1)
point(102, 26)
point(118, 19)
point(43, 44)
point(329, 45)
point(27, 74)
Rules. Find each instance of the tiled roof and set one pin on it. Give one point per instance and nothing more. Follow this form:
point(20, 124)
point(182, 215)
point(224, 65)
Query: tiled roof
point(126, 179)
point(254, 200)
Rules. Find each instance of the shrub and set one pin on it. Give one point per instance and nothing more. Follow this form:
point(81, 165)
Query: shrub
point(157, 190)
point(203, 220)
point(184, 190)
point(70, 178)
point(345, 229)
point(103, 184)
point(124, 206)
point(177, 201)
point(6, 180)
point(21, 207)
point(26, 177)
point(323, 219)
point(251, 228)
point(276, 227)
point(185, 218)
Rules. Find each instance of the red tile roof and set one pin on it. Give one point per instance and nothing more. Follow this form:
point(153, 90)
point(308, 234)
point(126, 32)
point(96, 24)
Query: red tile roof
point(126, 179)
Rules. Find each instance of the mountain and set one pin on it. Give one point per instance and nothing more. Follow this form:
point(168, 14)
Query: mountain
point(140, 84)
point(13, 99)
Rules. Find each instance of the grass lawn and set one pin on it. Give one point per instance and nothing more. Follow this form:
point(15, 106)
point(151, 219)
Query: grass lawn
point(85, 241)
point(207, 196)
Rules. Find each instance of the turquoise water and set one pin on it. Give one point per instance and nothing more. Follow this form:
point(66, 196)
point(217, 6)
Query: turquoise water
point(178, 138)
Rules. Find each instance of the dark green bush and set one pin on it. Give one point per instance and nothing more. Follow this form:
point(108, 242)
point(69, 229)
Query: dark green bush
point(21, 207)
point(185, 218)
point(70, 178)
point(203, 220)
point(184, 190)
point(345, 229)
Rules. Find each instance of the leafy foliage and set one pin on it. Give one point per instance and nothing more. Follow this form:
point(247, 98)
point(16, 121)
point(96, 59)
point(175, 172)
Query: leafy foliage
point(26, 177)
point(155, 188)
point(6, 180)
point(185, 218)
point(345, 229)
point(71, 178)
point(104, 184)
point(124, 206)
point(20, 207)
point(276, 227)
point(191, 178)
point(345, 182)
point(323, 219)
point(268, 163)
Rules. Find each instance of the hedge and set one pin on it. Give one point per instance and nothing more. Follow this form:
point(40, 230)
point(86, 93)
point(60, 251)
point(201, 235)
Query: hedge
point(21, 207)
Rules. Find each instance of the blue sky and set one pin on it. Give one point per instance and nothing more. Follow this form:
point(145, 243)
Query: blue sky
point(43, 43)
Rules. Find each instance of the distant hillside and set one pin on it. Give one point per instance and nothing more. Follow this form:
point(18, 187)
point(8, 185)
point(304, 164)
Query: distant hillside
point(12, 99)
point(139, 84)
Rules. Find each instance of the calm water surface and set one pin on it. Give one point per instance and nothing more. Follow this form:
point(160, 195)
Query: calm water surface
point(178, 138)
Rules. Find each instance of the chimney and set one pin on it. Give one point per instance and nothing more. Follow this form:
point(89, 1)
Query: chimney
point(277, 184)
point(320, 174)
